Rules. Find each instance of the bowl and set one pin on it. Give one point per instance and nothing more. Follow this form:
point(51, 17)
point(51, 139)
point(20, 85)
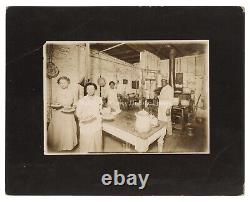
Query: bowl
point(154, 122)
point(56, 106)
point(106, 111)
point(110, 117)
point(68, 110)
point(67, 107)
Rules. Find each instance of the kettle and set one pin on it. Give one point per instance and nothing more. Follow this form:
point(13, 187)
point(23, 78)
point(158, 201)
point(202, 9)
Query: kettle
point(143, 122)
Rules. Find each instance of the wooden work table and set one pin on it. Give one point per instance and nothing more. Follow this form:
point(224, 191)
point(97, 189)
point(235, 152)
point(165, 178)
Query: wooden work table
point(123, 127)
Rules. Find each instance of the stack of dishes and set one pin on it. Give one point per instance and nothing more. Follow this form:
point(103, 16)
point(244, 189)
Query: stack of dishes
point(56, 106)
point(68, 109)
point(107, 114)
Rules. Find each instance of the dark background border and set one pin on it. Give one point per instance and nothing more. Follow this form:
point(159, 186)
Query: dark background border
point(28, 171)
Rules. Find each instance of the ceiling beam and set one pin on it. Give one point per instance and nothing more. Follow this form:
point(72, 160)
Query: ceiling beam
point(156, 51)
point(118, 53)
point(130, 56)
point(131, 61)
point(147, 47)
point(182, 52)
point(135, 47)
point(115, 46)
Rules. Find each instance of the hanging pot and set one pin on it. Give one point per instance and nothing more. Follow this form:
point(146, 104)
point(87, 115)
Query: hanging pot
point(52, 70)
point(101, 81)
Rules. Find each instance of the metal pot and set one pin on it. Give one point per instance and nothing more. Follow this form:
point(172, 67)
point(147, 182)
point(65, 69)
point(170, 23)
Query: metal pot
point(101, 81)
point(190, 131)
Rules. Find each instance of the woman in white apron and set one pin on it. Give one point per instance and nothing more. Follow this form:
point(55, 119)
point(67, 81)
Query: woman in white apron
point(165, 105)
point(111, 95)
point(62, 131)
point(90, 121)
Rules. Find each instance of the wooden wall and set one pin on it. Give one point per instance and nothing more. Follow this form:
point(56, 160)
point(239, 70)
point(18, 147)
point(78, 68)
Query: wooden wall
point(72, 62)
point(113, 69)
point(195, 74)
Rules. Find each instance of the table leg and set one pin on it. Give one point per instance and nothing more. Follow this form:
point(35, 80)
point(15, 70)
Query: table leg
point(141, 146)
point(161, 143)
point(126, 147)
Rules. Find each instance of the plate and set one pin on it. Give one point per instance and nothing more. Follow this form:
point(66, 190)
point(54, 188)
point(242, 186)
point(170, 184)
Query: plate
point(68, 110)
point(89, 118)
point(108, 118)
point(155, 126)
point(56, 105)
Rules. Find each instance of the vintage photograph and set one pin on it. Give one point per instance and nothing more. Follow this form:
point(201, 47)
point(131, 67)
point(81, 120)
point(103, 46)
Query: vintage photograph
point(126, 97)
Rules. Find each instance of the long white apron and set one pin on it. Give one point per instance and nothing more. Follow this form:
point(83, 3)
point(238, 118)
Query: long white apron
point(113, 102)
point(62, 131)
point(165, 106)
point(90, 131)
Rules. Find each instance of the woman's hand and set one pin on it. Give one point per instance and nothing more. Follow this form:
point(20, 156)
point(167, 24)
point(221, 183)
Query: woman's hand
point(56, 106)
point(87, 118)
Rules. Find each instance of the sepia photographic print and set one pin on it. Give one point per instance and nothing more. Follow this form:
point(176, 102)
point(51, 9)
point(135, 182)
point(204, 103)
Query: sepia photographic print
point(107, 97)
point(124, 101)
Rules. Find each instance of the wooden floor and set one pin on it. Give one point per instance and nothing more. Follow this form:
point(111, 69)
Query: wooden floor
point(176, 143)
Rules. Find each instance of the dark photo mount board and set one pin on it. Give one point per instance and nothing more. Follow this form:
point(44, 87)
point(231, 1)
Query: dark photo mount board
point(29, 171)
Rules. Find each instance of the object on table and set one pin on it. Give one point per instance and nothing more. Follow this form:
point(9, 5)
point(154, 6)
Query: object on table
point(107, 114)
point(106, 111)
point(154, 121)
point(143, 122)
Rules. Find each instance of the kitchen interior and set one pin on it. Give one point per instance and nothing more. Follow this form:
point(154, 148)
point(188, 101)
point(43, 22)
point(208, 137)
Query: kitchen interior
point(138, 69)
